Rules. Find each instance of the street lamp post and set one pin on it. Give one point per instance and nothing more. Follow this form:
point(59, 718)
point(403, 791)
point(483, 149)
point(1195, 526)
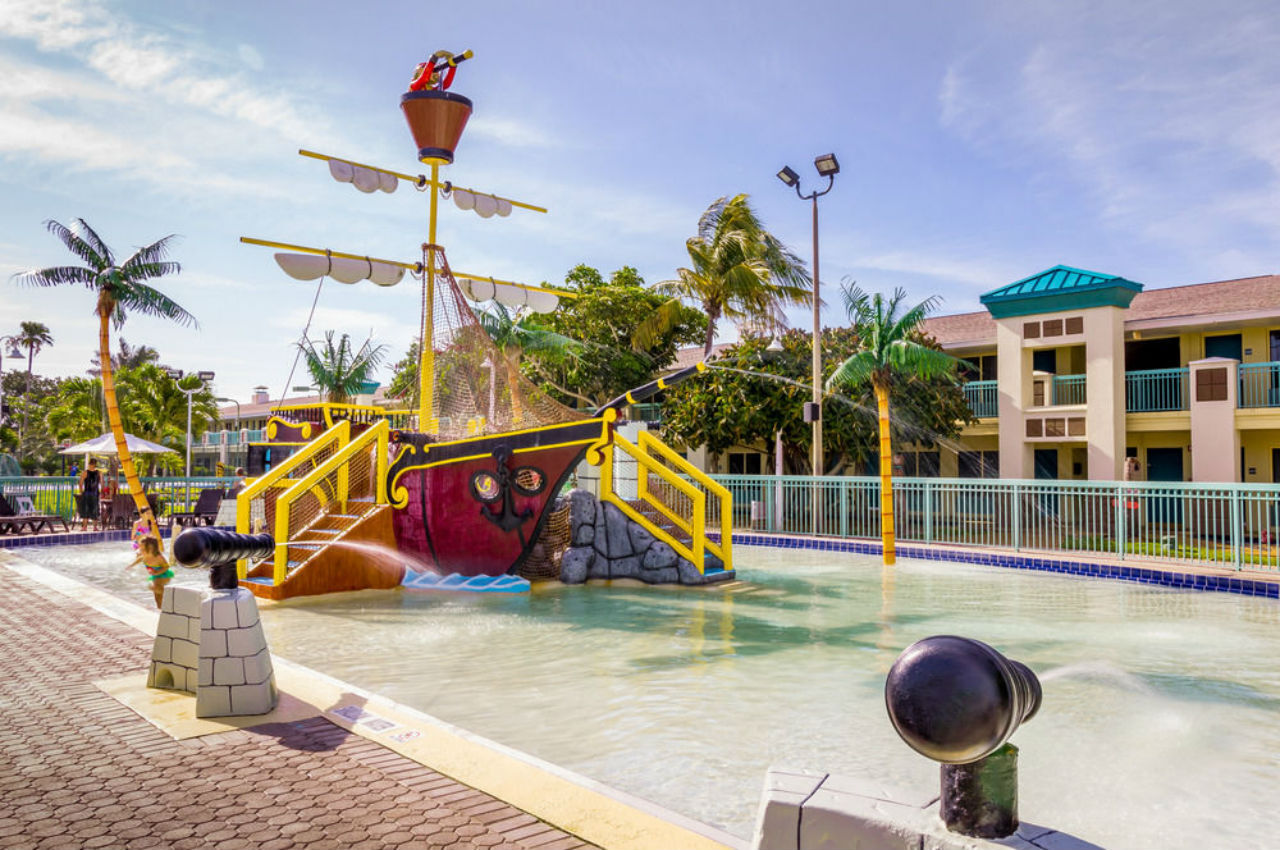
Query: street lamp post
point(237, 404)
point(828, 166)
point(205, 377)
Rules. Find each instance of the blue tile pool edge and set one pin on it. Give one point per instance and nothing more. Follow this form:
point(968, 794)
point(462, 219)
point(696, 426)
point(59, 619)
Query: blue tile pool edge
point(1142, 575)
point(76, 538)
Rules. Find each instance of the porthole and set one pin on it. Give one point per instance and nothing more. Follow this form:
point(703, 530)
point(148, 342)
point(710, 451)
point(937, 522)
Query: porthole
point(530, 481)
point(485, 487)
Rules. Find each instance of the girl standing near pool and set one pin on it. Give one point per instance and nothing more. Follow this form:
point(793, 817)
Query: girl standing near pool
point(151, 556)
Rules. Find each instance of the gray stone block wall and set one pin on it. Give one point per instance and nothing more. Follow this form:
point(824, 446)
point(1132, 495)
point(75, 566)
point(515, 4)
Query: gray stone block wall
point(606, 543)
point(175, 654)
point(811, 810)
point(211, 644)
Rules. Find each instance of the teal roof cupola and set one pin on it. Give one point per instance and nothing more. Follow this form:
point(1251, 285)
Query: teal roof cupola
point(1060, 288)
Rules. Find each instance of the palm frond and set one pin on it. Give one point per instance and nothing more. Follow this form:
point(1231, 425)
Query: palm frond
point(912, 358)
point(149, 255)
point(84, 242)
point(56, 276)
point(657, 323)
point(141, 298)
point(854, 372)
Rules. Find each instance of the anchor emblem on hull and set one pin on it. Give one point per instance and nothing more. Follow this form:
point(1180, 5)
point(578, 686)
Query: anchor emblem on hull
point(499, 486)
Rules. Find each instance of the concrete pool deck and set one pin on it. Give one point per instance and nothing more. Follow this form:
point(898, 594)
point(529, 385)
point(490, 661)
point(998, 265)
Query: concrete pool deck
point(91, 758)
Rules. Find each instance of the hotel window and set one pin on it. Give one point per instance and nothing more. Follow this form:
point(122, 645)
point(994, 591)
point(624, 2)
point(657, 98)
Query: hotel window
point(979, 465)
point(744, 463)
point(921, 464)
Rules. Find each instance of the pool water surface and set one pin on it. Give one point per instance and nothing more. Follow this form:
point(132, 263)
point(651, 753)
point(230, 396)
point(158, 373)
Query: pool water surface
point(1159, 726)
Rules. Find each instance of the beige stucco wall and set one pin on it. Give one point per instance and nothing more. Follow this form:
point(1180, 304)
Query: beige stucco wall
point(1258, 446)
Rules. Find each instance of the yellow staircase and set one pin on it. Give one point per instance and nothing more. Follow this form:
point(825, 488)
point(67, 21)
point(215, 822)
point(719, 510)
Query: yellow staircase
point(673, 500)
point(323, 504)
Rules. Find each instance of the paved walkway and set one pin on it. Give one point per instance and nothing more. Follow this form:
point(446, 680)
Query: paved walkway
point(79, 770)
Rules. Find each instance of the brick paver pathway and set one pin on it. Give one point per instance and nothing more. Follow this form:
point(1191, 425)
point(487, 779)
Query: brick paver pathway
point(79, 770)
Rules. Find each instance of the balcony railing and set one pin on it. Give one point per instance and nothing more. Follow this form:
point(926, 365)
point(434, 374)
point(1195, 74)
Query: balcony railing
point(646, 411)
point(983, 398)
point(1259, 385)
point(1068, 389)
point(1155, 390)
point(231, 437)
point(1172, 523)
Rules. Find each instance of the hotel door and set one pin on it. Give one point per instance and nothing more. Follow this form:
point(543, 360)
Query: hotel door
point(1164, 465)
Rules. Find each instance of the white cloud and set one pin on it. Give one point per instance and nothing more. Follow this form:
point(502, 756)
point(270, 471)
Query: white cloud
point(251, 57)
point(54, 25)
point(510, 132)
point(1162, 116)
point(101, 114)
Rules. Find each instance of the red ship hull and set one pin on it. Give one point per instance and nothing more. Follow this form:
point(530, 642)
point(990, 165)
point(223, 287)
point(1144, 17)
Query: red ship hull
point(477, 506)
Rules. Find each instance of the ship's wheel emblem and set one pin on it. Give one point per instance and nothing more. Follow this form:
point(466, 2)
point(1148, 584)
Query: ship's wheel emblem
point(492, 488)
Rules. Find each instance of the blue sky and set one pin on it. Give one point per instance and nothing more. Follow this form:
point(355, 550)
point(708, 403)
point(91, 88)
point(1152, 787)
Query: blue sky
point(980, 142)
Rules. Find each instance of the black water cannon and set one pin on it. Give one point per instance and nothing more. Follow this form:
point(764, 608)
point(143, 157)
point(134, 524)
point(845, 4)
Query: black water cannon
point(958, 701)
point(219, 549)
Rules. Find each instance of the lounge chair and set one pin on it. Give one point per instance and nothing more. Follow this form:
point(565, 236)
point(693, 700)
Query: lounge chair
point(13, 522)
point(205, 511)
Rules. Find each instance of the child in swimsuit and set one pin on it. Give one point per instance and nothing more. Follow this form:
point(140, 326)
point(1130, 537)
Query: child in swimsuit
point(151, 556)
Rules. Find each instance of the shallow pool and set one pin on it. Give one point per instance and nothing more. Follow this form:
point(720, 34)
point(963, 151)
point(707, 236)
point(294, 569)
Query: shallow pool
point(1160, 725)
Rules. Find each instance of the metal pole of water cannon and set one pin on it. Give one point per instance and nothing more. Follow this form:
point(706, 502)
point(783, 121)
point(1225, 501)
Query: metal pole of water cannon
point(958, 701)
point(219, 549)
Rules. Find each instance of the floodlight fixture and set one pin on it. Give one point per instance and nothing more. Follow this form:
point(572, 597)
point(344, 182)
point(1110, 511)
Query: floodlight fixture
point(827, 165)
point(176, 374)
point(205, 376)
point(14, 351)
point(786, 175)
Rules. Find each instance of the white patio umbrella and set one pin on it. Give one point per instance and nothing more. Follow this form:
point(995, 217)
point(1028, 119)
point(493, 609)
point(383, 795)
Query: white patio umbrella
point(106, 445)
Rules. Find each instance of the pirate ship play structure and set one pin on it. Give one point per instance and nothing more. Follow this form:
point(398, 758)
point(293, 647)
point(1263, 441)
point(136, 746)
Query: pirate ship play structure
point(465, 484)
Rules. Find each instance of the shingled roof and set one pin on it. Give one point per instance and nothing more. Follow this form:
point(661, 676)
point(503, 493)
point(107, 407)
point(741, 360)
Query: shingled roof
point(1194, 301)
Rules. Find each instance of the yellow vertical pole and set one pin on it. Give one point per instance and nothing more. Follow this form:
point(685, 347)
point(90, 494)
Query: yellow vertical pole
point(426, 366)
point(380, 463)
point(281, 564)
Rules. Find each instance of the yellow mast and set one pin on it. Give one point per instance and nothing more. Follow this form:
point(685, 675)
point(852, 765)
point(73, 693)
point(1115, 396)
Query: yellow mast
point(426, 366)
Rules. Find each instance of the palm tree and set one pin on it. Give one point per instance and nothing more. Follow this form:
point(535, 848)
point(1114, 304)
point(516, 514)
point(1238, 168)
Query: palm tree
point(77, 413)
point(515, 335)
point(34, 336)
point(338, 370)
point(739, 271)
point(157, 407)
point(129, 357)
point(888, 347)
point(120, 288)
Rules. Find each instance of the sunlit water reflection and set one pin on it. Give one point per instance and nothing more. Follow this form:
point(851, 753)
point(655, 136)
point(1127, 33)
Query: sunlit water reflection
point(1159, 727)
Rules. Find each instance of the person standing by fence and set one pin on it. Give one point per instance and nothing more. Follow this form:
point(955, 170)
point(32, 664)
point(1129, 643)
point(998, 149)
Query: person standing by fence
point(89, 505)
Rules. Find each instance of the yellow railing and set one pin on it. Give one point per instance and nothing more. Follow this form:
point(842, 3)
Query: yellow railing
point(268, 487)
point(332, 412)
point(316, 484)
point(690, 494)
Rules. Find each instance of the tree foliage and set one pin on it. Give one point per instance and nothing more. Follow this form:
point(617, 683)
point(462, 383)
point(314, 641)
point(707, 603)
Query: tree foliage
point(119, 288)
point(404, 379)
point(750, 393)
point(610, 359)
point(737, 270)
point(338, 369)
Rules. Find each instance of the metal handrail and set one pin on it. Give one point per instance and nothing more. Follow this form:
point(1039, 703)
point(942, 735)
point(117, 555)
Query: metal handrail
point(338, 462)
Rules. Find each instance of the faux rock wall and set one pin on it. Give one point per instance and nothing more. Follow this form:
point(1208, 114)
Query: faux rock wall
point(605, 543)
